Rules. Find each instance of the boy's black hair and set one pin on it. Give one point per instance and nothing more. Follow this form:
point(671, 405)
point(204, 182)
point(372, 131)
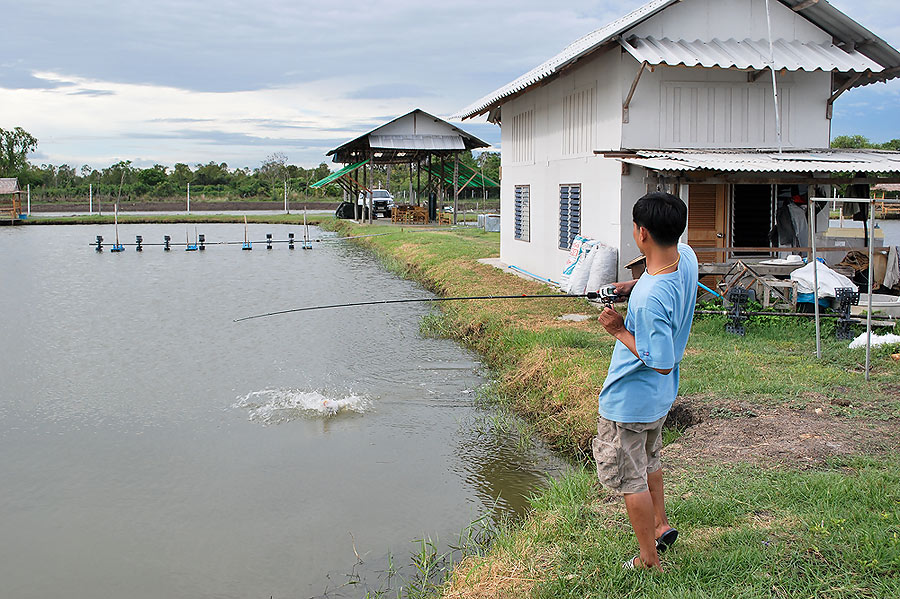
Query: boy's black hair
point(663, 215)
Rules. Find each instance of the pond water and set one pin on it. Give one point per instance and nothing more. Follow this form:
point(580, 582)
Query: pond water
point(151, 447)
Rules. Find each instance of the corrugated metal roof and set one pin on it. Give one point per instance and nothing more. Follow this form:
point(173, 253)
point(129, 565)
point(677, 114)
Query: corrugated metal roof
point(792, 55)
point(408, 139)
point(417, 142)
point(337, 174)
point(802, 161)
point(9, 185)
point(845, 31)
point(572, 52)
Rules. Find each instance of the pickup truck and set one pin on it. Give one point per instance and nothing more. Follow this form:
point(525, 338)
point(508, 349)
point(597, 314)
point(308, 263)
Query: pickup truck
point(383, 201)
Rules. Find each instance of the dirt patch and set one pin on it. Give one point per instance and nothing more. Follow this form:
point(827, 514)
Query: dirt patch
point(731, 432)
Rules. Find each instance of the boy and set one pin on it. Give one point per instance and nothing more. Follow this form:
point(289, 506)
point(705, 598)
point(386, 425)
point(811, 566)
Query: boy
point(643, 374)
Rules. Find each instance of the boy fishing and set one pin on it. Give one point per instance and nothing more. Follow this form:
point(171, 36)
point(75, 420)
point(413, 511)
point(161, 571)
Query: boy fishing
point(642, 381)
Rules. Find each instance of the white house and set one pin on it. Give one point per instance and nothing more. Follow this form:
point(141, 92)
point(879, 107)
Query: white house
point(679, 95)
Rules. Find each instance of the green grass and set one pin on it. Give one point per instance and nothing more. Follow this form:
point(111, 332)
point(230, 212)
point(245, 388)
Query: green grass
point(745, 532)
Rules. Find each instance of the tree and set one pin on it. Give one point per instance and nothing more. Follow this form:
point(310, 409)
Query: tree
point(212, 174)
point(273, 169)
point(182, 175)
point(15, 146)
point(852, 142)
point(151, 177)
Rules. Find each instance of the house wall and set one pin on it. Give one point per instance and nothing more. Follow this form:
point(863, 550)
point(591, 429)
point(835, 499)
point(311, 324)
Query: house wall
point(681, 107)
point(549, 163)
point(673, 107)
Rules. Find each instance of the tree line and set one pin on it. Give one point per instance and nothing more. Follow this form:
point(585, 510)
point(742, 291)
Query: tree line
point(125, 181)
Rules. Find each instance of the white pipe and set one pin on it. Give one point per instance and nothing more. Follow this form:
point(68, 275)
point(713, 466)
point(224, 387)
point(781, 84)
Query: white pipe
point(774, 79)
point(28, 186)
point(871, 274)
point(90, 198)
point(189, 198)
point(812, 234)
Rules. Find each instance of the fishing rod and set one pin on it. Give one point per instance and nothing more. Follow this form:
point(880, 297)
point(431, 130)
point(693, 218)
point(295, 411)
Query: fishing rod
point(606, 294)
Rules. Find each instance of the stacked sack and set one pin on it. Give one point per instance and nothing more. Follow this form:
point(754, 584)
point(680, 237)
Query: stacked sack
point(591, 265)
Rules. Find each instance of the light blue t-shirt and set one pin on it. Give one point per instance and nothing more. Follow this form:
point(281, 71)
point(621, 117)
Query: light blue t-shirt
point(660, 312)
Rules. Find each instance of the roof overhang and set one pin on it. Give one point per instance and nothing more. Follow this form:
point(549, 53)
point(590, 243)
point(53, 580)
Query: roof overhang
point(790, 55)
point(821, 165)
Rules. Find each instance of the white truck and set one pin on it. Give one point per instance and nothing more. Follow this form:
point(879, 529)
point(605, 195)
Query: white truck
point(383, 201)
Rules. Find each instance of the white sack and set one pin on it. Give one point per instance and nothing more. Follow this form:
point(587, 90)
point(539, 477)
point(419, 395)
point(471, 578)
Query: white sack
point(579, 278)
point(829, 280)
point(576, 252)
point(604, 267)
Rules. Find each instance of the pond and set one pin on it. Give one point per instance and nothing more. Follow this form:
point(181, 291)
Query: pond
point(152, 447)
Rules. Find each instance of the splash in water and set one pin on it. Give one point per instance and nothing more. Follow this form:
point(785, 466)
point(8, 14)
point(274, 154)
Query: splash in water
point(276, 406)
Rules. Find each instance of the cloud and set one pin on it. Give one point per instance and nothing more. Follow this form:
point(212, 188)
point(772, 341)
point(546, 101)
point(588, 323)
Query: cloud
point(384, 91)
point(93, 92)
point(183, 81)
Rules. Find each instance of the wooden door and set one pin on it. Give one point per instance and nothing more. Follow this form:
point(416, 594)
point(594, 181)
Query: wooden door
point(706, 220)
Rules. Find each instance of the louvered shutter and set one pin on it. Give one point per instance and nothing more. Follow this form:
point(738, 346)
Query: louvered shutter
point(569, 214)
point(523, 213)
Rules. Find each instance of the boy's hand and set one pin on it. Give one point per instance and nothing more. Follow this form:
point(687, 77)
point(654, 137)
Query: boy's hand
point(623, 289)
point(612, 321)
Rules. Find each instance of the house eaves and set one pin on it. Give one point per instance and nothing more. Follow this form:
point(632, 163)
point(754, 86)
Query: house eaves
point(766, 161)
point(791, 55)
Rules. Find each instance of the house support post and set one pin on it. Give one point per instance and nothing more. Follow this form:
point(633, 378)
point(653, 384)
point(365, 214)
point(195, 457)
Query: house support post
point(455, 186)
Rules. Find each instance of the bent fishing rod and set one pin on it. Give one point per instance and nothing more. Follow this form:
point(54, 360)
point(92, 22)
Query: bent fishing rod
point(606, 294)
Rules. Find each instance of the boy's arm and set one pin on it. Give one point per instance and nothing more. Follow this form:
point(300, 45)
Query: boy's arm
point(614, 324)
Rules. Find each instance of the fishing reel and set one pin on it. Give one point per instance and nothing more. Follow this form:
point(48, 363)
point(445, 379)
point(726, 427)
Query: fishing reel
point(606, 294)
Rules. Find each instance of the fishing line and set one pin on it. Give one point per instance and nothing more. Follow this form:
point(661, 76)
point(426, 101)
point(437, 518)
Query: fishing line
point(606, 297)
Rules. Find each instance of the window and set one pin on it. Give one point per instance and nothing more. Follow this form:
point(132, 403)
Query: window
point(523, 212)
point(569, 214)
point(578, 122)
point(522, 137)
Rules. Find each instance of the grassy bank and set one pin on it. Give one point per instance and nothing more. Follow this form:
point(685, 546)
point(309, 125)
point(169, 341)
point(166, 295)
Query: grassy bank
point(783, 473)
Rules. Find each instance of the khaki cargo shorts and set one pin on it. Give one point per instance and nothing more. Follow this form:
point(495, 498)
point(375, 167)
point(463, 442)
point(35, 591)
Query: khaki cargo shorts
point(626, 452)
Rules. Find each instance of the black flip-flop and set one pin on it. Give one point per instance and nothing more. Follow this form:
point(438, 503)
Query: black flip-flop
point(666, 540)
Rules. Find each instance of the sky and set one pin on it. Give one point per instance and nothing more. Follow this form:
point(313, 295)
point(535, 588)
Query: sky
point(167, 81)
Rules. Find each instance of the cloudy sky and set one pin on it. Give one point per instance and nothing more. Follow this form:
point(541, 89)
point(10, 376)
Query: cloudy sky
point(166, 81)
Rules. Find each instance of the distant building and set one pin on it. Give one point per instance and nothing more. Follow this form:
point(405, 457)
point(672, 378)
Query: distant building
point(10, 201)
point(678, 95)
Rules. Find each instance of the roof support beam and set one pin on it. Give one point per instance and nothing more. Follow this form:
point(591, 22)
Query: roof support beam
point(804, 5)
point(634, 84)
point(752, 76)
point(829, 107)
